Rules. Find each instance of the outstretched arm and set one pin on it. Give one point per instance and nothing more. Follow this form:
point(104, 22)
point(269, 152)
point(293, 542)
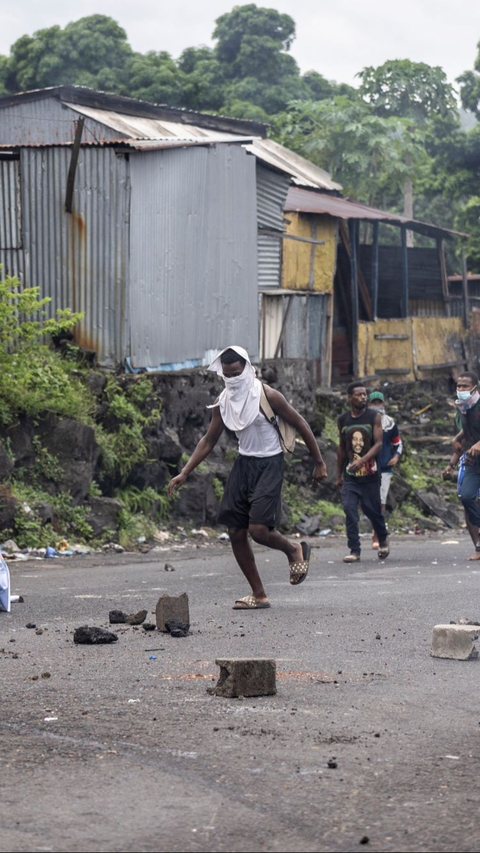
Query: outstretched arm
point(202, 450)
point(374, 450)
point(284, 410)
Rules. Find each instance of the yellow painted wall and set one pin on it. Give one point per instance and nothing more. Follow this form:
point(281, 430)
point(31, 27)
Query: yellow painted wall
point(297, 256)
point(437, 340)
point(432, 340)
point(374, 354)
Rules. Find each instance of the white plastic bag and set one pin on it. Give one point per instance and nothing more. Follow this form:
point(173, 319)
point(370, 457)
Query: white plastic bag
point(4, 586)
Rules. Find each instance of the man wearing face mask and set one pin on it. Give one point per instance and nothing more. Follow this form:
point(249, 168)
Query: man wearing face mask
point(360, 443)
point(468, 441)
point(251, 501)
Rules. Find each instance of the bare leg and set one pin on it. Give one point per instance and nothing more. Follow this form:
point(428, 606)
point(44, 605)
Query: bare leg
point(273, 539)
point(474, 535)
point(245, 558)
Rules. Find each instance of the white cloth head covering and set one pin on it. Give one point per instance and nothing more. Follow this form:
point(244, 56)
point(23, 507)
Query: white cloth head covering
point(239, 402)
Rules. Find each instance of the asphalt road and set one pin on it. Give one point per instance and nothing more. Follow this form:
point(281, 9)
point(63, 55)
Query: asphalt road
point(138, 757)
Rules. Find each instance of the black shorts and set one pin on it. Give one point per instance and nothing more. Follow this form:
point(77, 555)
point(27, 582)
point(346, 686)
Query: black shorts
point(253, 493)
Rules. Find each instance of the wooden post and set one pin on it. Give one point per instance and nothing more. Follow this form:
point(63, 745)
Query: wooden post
point(353, 229)
point(374, 277)
point(466, 306)
point(404, 302)
point(443, 273)
point(73, 165)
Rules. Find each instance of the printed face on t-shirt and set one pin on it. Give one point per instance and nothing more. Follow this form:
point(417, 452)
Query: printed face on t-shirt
point(358, 442)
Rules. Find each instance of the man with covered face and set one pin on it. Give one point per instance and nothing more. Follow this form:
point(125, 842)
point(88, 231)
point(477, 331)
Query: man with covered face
point(251, 501)
point(361, 436)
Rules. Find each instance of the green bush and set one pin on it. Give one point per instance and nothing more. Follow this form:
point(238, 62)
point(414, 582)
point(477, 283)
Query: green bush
point(33, 377)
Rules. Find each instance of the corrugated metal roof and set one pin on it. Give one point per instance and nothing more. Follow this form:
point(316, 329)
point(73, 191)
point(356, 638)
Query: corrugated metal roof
point(138, 127)
point(303, 173)
point(304, 201)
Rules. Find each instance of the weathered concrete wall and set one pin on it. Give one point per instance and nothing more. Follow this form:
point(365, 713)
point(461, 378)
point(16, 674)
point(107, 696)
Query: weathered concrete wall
point(297, 257)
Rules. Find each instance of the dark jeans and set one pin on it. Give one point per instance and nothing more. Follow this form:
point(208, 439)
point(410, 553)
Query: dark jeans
point(368, 496)
point(469, 491)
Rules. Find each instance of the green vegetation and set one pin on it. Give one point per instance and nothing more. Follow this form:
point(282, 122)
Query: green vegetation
point(123, 444)
point(218, 488)
point(34, 379)
point(69, 521)
point(330, 430)
point(299, 502)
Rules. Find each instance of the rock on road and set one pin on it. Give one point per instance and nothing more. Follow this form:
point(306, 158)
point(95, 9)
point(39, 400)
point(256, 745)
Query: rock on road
point(369, 743)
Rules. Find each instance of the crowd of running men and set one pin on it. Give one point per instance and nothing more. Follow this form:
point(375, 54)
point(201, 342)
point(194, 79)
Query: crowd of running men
point(369, 448)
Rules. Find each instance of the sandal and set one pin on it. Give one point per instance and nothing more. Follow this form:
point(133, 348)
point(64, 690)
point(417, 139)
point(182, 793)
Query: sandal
point(383, 551)
point(299, 570)
point(352, 558)
point(249, 602)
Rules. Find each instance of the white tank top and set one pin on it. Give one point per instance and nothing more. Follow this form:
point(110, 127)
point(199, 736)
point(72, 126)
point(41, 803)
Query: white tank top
point(259, 439)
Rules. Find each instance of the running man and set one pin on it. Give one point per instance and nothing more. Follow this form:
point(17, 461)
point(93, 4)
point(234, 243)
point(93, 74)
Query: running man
point(390, 453)
point(251, 501)
point(361, 439)
point(468, 441)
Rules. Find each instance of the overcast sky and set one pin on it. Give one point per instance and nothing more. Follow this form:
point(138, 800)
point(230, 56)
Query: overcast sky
point(336, 38)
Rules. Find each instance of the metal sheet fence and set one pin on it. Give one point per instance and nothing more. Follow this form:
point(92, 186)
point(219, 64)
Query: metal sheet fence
point(79, 260)
point(193, 254)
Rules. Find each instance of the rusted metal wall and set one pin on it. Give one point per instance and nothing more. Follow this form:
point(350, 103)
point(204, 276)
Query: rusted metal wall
point(47, 121)
point(193, 264)
point(80, 260)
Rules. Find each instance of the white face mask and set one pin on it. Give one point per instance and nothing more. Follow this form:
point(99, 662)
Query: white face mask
point(234, 381)
point(463, 396)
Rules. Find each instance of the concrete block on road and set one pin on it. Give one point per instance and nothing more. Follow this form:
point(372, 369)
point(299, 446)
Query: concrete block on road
point(172, 607)
point(456, 642)
point(245, 677)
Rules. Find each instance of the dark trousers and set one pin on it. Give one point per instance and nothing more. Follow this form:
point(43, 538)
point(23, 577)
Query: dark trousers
point(368, 496)
point(469, 491)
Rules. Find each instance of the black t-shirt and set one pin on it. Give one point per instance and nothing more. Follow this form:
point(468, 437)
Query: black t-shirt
point(471, 428)
point(357, 438)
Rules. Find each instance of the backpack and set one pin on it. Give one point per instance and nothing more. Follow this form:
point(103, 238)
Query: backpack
point(286, 433)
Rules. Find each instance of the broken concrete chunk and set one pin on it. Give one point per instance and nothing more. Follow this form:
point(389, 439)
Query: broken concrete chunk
point(137, 618)
point(117, 617)
point(245, 677)
point(172, 607)
point(455, 642)
point(93, 636)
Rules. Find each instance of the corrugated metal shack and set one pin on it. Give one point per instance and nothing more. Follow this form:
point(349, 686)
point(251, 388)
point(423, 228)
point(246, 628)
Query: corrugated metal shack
point(160, 224)
point(392, 315)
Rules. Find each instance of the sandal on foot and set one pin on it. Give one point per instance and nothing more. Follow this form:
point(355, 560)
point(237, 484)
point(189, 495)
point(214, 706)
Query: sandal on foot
point(383, 551)
point(249, 602)
point(299, 570)
point(352, 558)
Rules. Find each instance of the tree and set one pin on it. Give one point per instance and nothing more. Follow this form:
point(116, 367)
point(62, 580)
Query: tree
point(252, 51)
point(412, 91)
point(470, 87)
point(365, 152)
point(86, 52)
point(153, 77)
point(204, 79)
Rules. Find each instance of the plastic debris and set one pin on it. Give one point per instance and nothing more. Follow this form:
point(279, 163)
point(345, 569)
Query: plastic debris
point(153, 657)
point(325, 532)
point(224, 537)
point(50, 552)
